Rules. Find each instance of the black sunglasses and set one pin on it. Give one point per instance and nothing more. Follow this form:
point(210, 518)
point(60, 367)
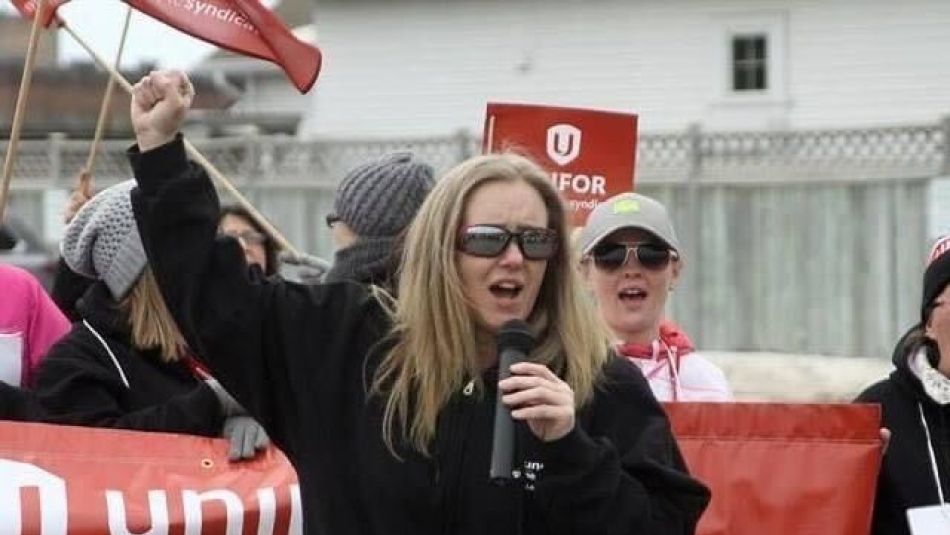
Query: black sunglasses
point(332, 219)
point(489, 241)
point(610, 256)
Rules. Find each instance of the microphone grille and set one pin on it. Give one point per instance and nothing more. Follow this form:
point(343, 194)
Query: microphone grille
point(516, 334)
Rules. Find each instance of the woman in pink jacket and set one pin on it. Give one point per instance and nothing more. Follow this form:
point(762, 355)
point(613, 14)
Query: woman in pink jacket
point(631, 259)
point(29, 324)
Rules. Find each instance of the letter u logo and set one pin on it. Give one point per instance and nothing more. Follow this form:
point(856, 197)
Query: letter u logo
point(564, 143)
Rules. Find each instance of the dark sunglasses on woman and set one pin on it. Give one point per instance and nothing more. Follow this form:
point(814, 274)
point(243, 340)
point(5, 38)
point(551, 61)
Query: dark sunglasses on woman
point(489, 241)
point(610, 256)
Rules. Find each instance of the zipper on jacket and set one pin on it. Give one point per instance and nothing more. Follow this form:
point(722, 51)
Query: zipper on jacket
point(454, 459)
point(438, 461)
point(943, 440)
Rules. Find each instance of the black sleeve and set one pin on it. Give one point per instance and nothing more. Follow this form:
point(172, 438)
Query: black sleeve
point(620, 471)
point(276, 346)
point(68, 287)
point(18, 404)
point(77, 391)
point(873, 394)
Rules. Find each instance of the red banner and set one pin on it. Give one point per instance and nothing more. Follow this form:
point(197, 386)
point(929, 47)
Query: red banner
point(590, 154)
point(782, 469)
point(241, 26)
point(28, 7)
point(79, 481)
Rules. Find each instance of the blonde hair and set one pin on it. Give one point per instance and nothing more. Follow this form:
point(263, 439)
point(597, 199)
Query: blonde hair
point(434, 331)
point(151, 323)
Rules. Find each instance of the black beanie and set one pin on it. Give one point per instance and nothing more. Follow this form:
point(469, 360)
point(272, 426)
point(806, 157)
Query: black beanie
point(937, 274)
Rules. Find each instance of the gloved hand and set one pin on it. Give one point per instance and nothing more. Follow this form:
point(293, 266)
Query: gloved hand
point(246, 436)
point(229, 406)
point(303, 268)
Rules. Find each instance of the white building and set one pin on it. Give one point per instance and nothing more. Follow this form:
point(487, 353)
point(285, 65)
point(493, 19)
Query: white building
point(429, 66)
point(421, 67)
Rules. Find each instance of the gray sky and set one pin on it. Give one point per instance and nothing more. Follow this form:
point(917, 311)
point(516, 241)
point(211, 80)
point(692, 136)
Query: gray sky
point(99, 23)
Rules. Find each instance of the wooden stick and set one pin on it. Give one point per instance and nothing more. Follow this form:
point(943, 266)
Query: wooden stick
point(106, 102)
point(22, 97)
point(217, 175)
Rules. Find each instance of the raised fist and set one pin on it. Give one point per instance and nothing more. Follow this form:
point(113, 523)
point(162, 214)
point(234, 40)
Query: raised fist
point(159, 102)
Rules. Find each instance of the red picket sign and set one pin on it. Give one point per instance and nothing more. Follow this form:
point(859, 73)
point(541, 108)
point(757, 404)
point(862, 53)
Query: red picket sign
point(241, 26)
point(63, 480)
point(28, 7)
point(782, 469)
point(590, 154)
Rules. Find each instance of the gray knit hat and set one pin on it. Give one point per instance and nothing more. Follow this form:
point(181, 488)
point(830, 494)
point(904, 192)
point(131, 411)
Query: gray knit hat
point(102, 241)
point(380, 198)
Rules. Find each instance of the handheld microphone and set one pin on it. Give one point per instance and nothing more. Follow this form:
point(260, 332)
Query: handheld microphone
point(514, 342)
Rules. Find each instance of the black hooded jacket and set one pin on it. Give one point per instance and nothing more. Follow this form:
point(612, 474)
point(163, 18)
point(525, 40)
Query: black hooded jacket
point(301, 358)
point(68, 289)
point(79, 382)
point(907, 478)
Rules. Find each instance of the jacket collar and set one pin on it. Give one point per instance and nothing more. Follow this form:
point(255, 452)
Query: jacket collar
point(99, 308)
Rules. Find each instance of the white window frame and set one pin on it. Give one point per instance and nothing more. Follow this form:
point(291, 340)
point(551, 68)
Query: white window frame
point(774, 26)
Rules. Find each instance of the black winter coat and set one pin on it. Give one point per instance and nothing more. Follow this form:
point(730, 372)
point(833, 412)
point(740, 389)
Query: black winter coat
point(79, 382)
point(906, 478)
point(68, 289)
point(299, 358)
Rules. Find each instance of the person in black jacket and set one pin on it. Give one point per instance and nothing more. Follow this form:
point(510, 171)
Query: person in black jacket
point(69, 286)
point(385, 407)
point(915, 401)
point(372, 207)
point(260, 250)
point(125, 364)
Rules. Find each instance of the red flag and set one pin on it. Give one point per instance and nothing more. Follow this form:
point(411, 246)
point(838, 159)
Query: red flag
point(28, 7)
point(782, 469)
point(242, 26)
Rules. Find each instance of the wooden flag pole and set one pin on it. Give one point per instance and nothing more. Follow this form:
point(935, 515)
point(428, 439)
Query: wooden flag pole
point(217, 175)
point(86, 175)
point(25, 82)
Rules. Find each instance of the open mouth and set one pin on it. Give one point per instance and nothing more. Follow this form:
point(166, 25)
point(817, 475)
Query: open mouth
point(632, 295)
point(506, 290)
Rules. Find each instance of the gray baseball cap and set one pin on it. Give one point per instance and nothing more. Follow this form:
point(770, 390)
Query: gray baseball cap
point(628, 210)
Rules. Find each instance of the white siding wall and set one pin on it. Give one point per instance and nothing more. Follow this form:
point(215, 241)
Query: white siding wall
point(265, 87)
point(429, 66)
point(266, 92)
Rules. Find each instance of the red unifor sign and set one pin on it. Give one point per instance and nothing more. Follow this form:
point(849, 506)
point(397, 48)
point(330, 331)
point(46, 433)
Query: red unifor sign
point(61, 480)
point(590, 154)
